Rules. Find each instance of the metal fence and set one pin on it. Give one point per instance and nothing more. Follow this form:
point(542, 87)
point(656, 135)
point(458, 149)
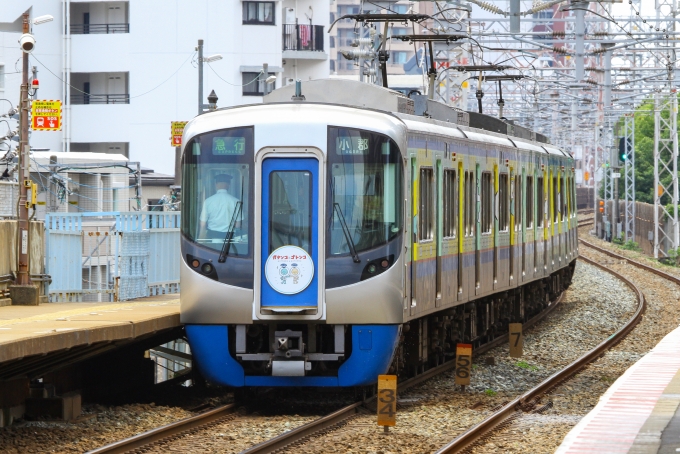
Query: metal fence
point(87, 29)
point(87, 98)
point(112, 256)
point(303, 37)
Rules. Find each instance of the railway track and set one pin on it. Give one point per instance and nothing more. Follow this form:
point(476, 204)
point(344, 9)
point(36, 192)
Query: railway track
point(526, 402)
point(167, 434)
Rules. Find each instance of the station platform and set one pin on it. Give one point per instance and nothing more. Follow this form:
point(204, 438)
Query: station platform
point(27, 331)
point(640, 412)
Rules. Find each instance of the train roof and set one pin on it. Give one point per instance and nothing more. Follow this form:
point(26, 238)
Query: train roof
point(359, 94)
point(416, 109)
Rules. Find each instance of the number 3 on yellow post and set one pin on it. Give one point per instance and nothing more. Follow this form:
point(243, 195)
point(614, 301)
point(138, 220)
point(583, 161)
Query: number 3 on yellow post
point(387, 400)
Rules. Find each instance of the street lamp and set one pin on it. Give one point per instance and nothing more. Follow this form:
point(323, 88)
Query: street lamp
point(212, 58)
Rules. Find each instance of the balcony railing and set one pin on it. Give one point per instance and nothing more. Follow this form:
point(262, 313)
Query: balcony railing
point(91, 29)
point(100, 99)
point(303, 37)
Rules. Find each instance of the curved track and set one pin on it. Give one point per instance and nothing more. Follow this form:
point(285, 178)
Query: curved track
point(166, 434)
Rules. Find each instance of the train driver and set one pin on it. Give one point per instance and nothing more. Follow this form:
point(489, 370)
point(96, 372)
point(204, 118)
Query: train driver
point(218, 210)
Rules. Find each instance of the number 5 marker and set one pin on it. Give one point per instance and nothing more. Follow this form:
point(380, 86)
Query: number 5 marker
point(463, 364)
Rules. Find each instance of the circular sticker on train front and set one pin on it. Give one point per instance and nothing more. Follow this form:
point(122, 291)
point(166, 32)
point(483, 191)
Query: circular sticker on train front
point(289, 270)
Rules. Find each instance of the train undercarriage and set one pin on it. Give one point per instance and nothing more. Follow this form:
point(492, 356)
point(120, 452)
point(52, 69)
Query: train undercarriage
point(430, 341)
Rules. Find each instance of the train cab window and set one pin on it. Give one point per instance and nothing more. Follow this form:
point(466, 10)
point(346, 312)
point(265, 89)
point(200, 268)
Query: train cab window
point(487, 203)
point(530, 202)
point(518, 203)
point(540, 201)
point(556, 199)
point(450, 203)
point(217, 174)
point(503, 203)
point(365, 181)
point(426, 205)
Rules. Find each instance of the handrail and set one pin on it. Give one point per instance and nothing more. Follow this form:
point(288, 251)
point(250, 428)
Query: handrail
point(303, 37)
point(98, 29)
point(89, 98)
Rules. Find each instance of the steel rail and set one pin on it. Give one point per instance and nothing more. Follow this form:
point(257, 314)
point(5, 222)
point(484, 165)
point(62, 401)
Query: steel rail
point(170, 431)
point(339, 417)
point(167, 432)
point(476, 433)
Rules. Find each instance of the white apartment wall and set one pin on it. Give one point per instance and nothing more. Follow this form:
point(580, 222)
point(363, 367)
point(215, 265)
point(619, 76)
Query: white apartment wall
point(158, 55)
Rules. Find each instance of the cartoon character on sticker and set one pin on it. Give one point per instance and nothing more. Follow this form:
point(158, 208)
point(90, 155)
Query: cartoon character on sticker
point(295, 272)
point(283, 272)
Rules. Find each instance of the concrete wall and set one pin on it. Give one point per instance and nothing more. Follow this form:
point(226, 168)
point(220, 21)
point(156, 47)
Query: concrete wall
point(8, 249)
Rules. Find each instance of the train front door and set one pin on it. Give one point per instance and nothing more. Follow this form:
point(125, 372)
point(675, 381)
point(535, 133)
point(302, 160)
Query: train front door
point(289, 279)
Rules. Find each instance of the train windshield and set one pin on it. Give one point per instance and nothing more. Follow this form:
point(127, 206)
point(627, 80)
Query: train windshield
point(217, 179)
point(365, 190)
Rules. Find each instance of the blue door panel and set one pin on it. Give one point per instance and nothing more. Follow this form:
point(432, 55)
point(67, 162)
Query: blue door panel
point(309, 296)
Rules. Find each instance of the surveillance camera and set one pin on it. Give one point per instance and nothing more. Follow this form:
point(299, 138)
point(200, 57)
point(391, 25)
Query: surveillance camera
point(27, 43)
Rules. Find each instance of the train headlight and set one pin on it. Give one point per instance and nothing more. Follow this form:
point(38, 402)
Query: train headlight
point(371, 268)
point(207, 268)
point(195, 263)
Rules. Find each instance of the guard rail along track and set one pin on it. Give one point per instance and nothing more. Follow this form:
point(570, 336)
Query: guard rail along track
point(527, 400)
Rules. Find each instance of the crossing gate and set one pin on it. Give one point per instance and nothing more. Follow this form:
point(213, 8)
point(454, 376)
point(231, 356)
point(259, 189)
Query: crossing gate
point(112, 256)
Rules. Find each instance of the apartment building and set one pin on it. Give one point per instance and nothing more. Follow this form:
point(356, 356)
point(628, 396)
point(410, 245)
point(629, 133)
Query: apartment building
point(346, 31)
point(125, 69)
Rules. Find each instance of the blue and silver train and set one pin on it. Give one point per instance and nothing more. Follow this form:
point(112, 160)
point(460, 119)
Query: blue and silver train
point(354, 231)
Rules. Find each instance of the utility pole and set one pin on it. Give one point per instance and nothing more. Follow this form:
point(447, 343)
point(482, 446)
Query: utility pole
point(23, 292)
point(200, 76)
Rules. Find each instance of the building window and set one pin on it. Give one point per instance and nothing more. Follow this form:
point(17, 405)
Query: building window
point(399, 57)
point(332, 41)
point(350, 65)
point(258, 13)
point(253, 84)
point(396, 31)
point(400, 9)
point(332, 65)
point(2, 77)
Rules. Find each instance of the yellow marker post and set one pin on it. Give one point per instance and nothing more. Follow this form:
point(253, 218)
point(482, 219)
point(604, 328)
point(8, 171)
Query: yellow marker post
point(463, 364)
point(516, 340)
point(387, 401)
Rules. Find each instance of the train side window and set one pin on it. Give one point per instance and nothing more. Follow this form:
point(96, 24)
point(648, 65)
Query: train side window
point(470, 200)
point(540, 202)
point(426, 212)
point(555, 195)
point(530, 202)
point(450, 203)
point(564, 191)
point(487, 197)
point(518, 203)
point(503, 197)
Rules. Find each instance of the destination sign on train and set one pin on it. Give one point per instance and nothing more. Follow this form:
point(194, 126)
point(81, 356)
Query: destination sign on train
point(229, 145)
point(352, 145)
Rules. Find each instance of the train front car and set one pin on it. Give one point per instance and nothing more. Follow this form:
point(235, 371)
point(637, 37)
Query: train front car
point(292, 232)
